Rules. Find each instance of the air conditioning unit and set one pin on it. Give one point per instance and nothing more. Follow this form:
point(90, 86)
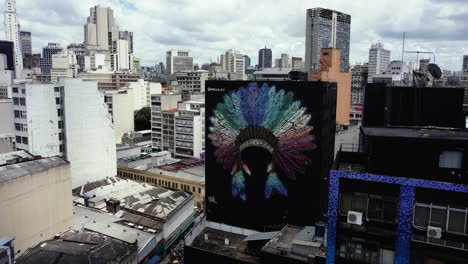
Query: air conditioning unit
point(434, 232)
point(354, 218)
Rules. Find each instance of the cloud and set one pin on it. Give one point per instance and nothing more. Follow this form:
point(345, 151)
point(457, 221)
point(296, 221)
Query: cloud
point(210, 27)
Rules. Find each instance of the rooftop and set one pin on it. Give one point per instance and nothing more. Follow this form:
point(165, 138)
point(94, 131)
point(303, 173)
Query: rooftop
point(15, 157)
point(9, 172)
point(236, 248)
point(295, 243)
point(278, 71)
point(134, 197)
point(79, 247)
point(417, 132)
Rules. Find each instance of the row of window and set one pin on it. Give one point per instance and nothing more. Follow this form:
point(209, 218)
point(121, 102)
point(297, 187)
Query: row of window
point(21, 127)
point(15, 90)
point(19, 101)
point(159, 182)
point(23, 140)
point(20, 114)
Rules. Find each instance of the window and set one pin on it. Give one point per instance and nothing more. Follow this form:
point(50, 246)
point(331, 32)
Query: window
point(25, 140)
point(199, 190)
point(450, 159)
point(57, 100)
point(56, 89)
point(456, 221)
point(15, 90)
point(15, 100)
point(17, 113)
point(421, 215)
point(23, 91)
point(18, 139)
point(60, 136)
point(22, 101)
point(60, 124)
point(438, 217)
point(17, 126)
point(59, 112)
point(61, 148)
point(193, 189)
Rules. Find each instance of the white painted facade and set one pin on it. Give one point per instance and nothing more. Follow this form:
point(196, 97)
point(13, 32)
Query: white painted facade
point(120, 105)
point(12, 29)
point(90, 135)
point(64, 65)
point(7, 128)
point(142, 91)
point(379, 58)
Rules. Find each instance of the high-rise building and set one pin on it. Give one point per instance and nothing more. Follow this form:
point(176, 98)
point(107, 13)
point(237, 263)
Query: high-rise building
point(379, 58)
point(423, 66)
point(246, 62)
point(330, 72)
point(358, 82)
point(277, 63)
point(285, 61)
point(326, 28)
point(233, 63)
point(47, 52)
point(69, 119)
point(64, 64)
point(178, 125)
point(26, 46)
point(465, 64)
point(297, 64)
point(12, 29)
point(265, 58)
point(178, 60)
point(192, 81)
point(102, 33)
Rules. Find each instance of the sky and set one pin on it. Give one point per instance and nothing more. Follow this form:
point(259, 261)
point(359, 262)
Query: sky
point(210, 27)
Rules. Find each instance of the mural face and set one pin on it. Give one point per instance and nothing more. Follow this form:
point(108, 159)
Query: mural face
point(261, 130)
point(264, 152)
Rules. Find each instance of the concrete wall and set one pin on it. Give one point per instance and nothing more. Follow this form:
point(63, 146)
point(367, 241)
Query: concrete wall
point(7, 128)
point(90, 133)
point(42, 120)
point(122, 113)
point(37, 206)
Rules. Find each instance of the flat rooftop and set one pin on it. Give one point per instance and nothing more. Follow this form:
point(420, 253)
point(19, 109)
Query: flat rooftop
point(9, 172)
point(417, 132)
point(78, 247)
point(215, 244)
point(141, 198)
point(285, 241)
point(15, 157)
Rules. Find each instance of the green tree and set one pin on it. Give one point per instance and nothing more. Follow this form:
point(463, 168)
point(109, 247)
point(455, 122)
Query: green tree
point(142, 119)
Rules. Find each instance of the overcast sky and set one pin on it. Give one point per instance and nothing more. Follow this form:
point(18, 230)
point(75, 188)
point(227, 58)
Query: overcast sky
point(210, 27)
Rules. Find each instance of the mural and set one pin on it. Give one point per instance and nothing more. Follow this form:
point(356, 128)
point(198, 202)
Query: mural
point(261, 117)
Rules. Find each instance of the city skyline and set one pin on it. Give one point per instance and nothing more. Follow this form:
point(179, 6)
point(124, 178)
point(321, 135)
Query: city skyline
point(209, 29)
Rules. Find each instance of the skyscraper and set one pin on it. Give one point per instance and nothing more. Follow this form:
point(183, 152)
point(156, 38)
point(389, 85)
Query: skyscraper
point(264, 58)
point(379, 58)
point(326, 29)
point(25, 38)
point(12, 29)
point(465, 63)
point(246, 62)
point(47, 52)
point(101, 32)
point(234, 64)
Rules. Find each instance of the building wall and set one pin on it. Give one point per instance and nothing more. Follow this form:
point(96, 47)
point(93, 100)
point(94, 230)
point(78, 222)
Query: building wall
point(174, 221)
point(37, 206)
point(90, 141)
point(161, 179)
point(122, 113)
point(7, 128)
point(12, 29)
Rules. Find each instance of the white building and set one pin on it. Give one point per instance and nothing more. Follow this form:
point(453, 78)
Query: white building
point(178, 126)
point(64, 65)
point(285, 61)
point(69, 119)
point(193, 81)
point(232, 62)
point(12, 29)
point(102, 33)
point(142, 91)
point(7, 128)
point(120, 105)
point(379, 58)
point(178, 60)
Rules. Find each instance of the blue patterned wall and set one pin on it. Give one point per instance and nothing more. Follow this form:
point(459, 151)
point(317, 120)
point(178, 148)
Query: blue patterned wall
point(405, 212)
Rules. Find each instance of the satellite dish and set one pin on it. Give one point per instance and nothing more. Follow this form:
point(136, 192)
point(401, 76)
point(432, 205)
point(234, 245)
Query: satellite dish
point(453, 81)
point(434, 70)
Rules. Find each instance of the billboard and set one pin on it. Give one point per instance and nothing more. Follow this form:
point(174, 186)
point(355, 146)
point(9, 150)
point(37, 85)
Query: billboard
point(268, 150)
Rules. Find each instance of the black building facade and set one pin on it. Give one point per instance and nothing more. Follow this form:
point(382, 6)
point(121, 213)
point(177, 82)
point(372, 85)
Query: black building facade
point(6, 48)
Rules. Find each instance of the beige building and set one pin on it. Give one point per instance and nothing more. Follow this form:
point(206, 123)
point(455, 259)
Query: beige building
point(330, 72)
point(186, 175)
point(35, 201)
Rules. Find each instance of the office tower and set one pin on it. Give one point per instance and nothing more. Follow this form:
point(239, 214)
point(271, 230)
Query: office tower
point(47, 52)
point(12, 29)
point(233, 63)
point(465, 63)
point(330, 72)
point(25, 38)
point(265, 58)
point(102, 33)
point(178, 125)
point(285, 61)
point(379, 59)
point(297, 64)
point(69, 119)
point(246, 62)
point(178, 60)
point(64, 64)
point(326, 28)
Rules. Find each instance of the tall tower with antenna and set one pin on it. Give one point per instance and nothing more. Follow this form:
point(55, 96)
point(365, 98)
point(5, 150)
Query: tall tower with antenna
point(12, 29)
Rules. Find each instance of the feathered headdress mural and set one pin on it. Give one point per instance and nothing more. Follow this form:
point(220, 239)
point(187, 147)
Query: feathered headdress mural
point(261, 117)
